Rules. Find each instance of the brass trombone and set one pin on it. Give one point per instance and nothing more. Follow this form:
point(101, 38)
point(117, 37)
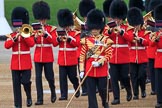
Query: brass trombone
point(26, 30)
point(77, 22)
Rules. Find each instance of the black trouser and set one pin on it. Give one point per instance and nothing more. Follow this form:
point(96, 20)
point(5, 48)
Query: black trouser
point(119, 72)
point(84, 85)
point(152, 74)
point(71, 72)
point(49, 74)
point(138, 77)
point(101, 83)
point(21, 77)
point(158, 77)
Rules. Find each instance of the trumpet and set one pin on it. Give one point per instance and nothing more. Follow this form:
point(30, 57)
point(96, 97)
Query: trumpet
point(26, 30)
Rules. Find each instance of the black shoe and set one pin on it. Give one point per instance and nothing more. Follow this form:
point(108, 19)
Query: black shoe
point(143, 94)
point(135, 98)
point(129, 97)
point(77, 94)
point(153, 93)
point(53, 99)
point(63, 98)
point(115, 102)
point(84, 94)
point(29, 102)
point(106, 105)
point(158, 105)
point(39, 103)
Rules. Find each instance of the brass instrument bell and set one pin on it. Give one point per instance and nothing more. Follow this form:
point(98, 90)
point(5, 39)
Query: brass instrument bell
point(26, 30)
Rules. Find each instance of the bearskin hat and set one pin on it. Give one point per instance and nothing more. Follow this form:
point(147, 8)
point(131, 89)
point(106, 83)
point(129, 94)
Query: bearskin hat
point(41, 10)
point(85, 6)
point(158, 13)
point(134, 16)
point(106, 6)
point(137, 3)
point(20, 13)
point(65, 18)
point(153, 4)
point(118, 9)
point(95, 19)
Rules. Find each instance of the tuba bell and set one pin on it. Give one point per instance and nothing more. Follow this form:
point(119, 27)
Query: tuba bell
point(77, 21)
point(26, 30)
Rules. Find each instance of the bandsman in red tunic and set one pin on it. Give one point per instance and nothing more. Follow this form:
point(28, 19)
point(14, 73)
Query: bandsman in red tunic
point(43, 54)
point(68, 40)
point(139, 40)
point(119, 63)
point(95, 54)
point(21, 64)
point(157, 41)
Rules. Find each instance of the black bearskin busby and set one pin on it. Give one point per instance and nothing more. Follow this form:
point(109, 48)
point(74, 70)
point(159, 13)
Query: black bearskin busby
point(135, 17)
point(153, 3)
point(147, 5)
point(118, 9)
point(106, 7)
point(95, 19)
point(137, 3)
point(158, 13)
point(41, 10)
point(65, 18)
point(20, 13)
point(85, 6)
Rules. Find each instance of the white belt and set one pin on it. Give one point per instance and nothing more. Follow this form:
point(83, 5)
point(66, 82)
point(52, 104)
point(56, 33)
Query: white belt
point(67, 49)
point(43, 45)
point(139, 48)
point(96, 56)
point(21, 52)
point(159, 50)
point(119, 45)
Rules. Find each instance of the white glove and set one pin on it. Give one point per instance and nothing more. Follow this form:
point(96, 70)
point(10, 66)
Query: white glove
point(95, 64)
point(81, 74)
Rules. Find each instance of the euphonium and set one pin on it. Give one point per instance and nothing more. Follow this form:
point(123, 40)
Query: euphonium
point(77, 21)
point(26, 30)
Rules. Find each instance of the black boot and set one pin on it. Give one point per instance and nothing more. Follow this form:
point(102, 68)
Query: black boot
point(129, 93)
point(53, 92)
point(27, 88)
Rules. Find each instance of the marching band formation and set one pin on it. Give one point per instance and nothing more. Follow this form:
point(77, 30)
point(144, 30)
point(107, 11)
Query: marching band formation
point(118, 44)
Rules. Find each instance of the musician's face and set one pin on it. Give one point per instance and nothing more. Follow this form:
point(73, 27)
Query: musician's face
point(43, 21)
point(95, 32)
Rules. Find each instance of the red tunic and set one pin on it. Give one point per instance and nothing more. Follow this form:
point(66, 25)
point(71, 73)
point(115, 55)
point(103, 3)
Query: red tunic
point(21, 58)
point(158, 56)
point(43, 51)
point(67, 55)
point(120, 46)
point(138, 52)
